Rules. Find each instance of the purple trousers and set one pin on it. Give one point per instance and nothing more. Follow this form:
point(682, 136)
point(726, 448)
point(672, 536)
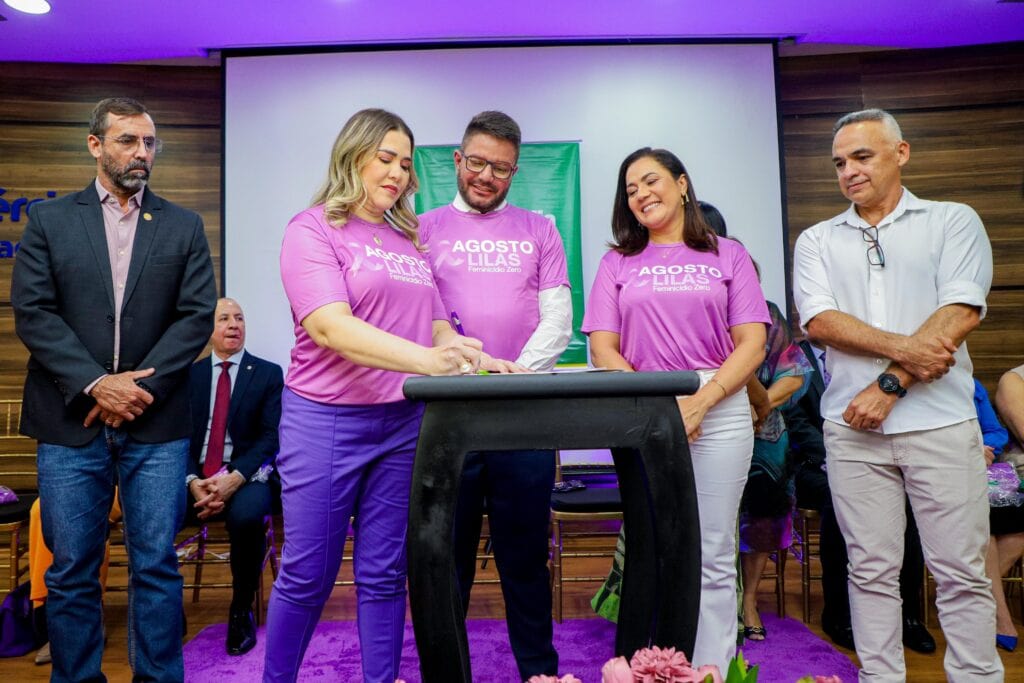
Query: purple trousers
point(336, 462)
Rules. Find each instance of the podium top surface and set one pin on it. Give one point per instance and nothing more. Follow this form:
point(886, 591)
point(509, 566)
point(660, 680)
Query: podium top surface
point(551, 385)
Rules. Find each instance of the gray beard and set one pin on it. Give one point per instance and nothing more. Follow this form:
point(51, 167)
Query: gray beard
point(123, 178)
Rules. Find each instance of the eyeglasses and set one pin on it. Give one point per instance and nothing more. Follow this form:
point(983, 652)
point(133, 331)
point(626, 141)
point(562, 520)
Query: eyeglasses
point(131, 142)
point(876, 256)
point(499, 170)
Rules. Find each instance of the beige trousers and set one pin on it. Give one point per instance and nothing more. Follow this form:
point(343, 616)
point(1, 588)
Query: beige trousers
point(942, 471)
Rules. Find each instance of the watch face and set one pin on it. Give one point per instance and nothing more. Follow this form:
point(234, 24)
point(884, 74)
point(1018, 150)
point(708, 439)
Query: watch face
point(889, 383)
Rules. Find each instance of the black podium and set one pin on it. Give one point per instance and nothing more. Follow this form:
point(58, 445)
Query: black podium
point(634, 414)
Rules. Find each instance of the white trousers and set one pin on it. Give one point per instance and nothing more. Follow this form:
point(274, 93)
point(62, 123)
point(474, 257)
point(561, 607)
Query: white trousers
point(721, 461)
point(942, 471)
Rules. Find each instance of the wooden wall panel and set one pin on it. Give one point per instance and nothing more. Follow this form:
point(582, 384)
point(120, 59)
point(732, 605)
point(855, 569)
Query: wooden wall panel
point(13, 357)
point(962, 110)
point(66, 93)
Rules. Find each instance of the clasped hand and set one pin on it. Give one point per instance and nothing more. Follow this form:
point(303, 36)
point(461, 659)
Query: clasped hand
point(927, 357)
point(119, 398)
point(212, 494)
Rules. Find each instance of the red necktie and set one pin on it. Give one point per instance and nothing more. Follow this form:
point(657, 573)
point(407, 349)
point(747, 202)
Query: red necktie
point(219, 423)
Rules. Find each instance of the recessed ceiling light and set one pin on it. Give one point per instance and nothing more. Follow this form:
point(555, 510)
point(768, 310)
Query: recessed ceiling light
point(29, 6)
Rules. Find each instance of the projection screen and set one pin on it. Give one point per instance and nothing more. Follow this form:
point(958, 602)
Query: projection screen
point(712, 104)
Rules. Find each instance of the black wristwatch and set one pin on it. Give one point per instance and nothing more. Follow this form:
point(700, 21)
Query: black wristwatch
point(890, 384)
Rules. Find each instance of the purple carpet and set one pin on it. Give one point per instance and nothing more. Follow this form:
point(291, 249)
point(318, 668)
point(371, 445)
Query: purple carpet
point(584, 645)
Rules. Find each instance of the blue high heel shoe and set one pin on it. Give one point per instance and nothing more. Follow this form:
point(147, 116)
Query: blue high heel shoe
point(1008, 643)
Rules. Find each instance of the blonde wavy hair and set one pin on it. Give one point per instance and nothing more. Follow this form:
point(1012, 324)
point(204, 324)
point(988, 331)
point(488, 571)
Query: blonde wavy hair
point(355, 145)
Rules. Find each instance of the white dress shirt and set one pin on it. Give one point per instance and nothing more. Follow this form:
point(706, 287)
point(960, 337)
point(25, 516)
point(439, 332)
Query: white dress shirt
point(936, 254)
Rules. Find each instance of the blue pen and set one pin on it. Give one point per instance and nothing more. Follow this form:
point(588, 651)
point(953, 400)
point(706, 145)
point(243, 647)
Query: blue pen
point(458, 324)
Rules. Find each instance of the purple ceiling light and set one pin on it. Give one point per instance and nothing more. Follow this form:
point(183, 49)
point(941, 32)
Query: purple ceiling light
point(112, 31)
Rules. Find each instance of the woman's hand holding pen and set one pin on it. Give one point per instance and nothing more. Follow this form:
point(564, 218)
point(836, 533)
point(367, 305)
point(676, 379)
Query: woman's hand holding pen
point(456, 356)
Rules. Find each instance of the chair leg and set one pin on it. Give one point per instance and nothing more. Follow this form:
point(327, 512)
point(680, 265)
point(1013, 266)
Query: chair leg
point(15, 558)
point(1020, 584)
point(780, 582)
point(268, 556)
point(200, 556)
point(556, 569)
point(805, 571)
point(925, 607)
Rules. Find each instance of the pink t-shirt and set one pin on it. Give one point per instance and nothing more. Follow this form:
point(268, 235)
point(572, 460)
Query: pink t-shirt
point(489, 268)
point(673, 306)
point(389, 286)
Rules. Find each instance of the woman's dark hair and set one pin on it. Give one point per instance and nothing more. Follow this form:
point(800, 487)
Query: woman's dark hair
point(629, 237)
point(714, 218)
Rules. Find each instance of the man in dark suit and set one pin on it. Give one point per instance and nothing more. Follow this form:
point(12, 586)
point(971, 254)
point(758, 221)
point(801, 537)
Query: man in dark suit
point(234, 443)
point(113, 295)
point(804, 424)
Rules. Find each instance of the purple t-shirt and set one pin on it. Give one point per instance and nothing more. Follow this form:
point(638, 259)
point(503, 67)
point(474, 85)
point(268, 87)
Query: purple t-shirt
point(389, 286)
point(672, 306)
point(489, 268)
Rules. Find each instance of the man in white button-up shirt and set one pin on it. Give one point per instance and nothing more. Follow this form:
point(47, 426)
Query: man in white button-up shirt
point(892, 287)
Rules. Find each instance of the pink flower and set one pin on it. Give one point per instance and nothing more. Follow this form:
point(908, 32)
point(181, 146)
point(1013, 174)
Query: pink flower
point(567, 678)
point(691, 675)
point(827, 679)
point(655, 664)
point(616, 671)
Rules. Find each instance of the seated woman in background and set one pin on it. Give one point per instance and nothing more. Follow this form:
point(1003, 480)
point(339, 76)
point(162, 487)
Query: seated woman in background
point(766, 521)
point(1007, 523)
point(710, 317)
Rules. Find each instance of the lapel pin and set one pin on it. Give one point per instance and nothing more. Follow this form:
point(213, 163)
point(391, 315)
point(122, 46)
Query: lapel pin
point(248, 367)
point(147, 216)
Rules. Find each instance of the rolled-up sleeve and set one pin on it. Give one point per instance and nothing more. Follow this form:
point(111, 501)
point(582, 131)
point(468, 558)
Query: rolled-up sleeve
point(812, 291)
point(965, 264)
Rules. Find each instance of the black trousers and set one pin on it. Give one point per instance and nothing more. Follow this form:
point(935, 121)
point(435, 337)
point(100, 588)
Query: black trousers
point(243, 518)
point(515, 488)
point(812, 491)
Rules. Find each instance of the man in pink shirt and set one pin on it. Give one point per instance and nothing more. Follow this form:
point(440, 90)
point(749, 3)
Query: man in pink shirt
point(501, 272)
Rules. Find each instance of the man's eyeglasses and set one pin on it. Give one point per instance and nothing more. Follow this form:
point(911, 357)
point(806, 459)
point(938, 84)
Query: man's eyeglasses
point(499, 170)
point(876, 256)
point(131, 142)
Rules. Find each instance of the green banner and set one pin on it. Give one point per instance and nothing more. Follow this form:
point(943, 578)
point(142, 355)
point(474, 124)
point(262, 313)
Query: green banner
point(548, 182)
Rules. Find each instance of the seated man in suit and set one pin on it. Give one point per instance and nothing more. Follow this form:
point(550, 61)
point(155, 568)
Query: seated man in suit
point(234, 443)
point(804, 423)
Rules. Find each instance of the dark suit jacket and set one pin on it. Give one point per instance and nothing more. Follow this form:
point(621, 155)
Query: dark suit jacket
point(253, 415)
point(803, 421)
point(63, 299)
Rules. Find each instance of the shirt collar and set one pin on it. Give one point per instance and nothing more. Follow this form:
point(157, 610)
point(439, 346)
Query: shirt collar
point(104, 194)
point(908, 202)
point(235, 358)
point(460, 205)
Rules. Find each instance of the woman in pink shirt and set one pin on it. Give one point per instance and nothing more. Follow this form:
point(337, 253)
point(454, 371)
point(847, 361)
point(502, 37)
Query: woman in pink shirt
point(366, 315)
point(670, 295)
